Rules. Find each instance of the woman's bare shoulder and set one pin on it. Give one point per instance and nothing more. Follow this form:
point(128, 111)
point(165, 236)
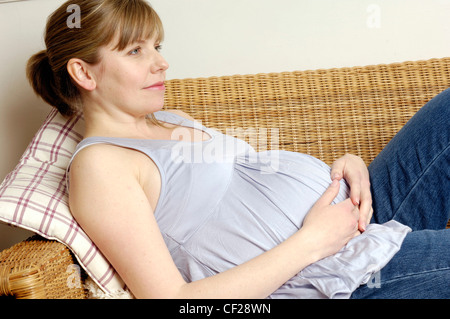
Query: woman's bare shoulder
point(98, 156)
point(105, 161)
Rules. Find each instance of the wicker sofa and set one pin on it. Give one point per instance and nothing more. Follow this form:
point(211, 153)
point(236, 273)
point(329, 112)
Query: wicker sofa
point(325, 113)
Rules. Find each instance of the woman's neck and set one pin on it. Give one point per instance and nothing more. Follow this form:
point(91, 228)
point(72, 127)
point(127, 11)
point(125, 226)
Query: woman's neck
point(117, 124)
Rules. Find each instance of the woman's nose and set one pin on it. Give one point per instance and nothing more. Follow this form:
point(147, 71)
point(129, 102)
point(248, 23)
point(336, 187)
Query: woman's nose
point(159, 64)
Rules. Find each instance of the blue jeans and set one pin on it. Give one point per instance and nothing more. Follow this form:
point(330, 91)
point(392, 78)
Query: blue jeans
point(410, 181)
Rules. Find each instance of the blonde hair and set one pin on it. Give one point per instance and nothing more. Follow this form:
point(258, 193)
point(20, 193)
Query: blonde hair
point(101, 22)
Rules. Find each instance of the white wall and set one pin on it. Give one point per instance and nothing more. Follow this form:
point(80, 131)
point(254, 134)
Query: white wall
point(225, 37)
point(206, 37)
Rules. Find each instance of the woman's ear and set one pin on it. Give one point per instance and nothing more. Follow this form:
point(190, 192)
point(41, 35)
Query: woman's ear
point(79, 71)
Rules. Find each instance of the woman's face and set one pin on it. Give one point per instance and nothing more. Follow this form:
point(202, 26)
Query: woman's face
point(131, 80)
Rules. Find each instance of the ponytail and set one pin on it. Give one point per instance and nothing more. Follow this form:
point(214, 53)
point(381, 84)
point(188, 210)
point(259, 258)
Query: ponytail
point(42, 80)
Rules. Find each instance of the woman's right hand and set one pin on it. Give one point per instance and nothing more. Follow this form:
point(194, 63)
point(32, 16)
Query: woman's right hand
point(331, 226)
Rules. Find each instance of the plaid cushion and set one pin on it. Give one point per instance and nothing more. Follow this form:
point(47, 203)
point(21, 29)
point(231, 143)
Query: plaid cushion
point(33, 196)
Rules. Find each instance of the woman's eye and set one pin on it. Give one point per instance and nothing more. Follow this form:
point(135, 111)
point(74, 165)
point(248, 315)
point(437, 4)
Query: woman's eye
point(135, 51)
point(158, 48)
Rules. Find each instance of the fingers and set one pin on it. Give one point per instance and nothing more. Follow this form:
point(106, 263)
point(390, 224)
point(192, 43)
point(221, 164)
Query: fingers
point(366, 213)
point(337, 169)
point(357, 233)
point(354, 211)
point(360, 200)
point(330, 194)
point(358, 179)
point(365, 218)
point(355, 172)
point(365, 206)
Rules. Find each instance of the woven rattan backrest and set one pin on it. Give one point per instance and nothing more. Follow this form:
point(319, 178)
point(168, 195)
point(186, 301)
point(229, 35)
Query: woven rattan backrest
point(39, 268)
point(325, 113)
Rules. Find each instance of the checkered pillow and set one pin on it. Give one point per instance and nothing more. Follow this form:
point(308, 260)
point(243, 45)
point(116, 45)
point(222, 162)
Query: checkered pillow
point(34, 197)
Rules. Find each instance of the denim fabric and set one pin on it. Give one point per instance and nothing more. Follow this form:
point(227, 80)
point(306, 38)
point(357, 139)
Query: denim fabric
point(410, 181)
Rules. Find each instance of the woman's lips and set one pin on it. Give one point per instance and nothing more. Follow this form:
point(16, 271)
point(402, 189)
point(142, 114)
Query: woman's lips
point(157, 86)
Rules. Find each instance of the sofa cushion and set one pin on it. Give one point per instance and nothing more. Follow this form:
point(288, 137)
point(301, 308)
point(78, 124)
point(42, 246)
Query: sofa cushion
point(33, 196)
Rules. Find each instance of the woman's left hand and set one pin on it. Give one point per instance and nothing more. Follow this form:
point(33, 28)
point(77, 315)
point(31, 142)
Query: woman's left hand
point(353, 169)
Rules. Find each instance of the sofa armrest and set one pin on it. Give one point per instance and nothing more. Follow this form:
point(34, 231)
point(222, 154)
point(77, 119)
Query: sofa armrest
point(37, 268)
